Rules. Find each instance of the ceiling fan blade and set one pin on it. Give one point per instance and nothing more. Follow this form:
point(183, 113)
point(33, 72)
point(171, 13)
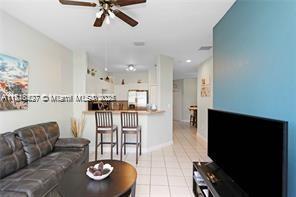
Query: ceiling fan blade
point(78, 3)
point(125, 18)
point(128, 2)
point(99, 21)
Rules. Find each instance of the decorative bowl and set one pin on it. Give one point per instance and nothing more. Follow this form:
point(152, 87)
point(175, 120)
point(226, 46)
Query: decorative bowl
point(107, 169)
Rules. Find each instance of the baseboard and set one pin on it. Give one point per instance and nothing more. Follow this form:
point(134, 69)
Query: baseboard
point(202, 137)
point(185, 121)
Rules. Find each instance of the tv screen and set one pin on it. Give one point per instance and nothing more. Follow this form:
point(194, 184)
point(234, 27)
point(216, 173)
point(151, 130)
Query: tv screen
point(251, 150)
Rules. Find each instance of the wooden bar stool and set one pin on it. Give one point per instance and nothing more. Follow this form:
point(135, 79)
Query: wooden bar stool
point(130, 125)
point(193, 115)
point(195, 118)
point(104, 125)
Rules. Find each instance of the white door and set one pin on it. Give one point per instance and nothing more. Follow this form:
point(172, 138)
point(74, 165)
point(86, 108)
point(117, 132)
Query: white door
point(177, 105)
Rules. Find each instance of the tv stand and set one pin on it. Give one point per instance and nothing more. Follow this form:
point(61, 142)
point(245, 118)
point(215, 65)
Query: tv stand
point(210, 181)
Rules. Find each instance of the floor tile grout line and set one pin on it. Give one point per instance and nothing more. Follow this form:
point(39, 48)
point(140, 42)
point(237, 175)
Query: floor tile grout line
point(189, 186)
point(167, 178)
point(150, 186)
point(184, 174)
point(185, 147)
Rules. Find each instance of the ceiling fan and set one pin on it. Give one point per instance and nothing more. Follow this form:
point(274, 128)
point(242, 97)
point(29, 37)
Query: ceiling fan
point(106, 10)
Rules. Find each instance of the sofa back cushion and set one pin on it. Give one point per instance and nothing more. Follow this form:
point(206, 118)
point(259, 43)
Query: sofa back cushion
point(12, 155)
point(38, 140)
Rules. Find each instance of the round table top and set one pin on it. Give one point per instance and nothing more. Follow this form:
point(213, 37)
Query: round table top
point(118, 183)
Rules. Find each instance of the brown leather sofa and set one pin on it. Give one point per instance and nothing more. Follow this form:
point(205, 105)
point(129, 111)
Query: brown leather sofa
point(33, 159)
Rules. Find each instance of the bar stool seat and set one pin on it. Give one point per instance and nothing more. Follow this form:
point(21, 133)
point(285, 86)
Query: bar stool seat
point(107, 128)
point(130, 125)
point(136, 129)
point(104, 125)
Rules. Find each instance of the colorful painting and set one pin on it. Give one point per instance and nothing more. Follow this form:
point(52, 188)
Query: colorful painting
point(13, 83)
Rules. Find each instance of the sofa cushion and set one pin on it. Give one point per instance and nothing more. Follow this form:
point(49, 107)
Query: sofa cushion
point(12, 194)
point(38, 140)
point(56, 161)
point(41, 176)
point(12, 155)
point(34, 183)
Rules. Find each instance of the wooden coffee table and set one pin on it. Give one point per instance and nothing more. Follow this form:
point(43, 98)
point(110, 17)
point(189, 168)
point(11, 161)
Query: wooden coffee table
point(121, 182)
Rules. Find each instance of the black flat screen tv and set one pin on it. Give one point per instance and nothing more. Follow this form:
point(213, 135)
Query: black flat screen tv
point(251, 150)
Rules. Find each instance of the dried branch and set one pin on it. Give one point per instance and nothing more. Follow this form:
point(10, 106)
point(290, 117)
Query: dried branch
point(77, 126)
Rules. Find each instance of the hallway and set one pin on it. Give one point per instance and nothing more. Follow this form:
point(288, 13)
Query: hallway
point(168, 172)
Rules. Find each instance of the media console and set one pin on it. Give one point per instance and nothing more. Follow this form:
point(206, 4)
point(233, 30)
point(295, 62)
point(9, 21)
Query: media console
point(210, 181)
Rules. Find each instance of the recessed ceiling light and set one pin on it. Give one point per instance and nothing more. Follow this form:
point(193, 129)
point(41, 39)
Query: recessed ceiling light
point(188, 61)
point(106, 69)
point(139, 43)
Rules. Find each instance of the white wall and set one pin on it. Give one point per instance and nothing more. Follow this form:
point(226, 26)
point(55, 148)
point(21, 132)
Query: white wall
point(178, 99)
point(165, 66)
point(50, 71)
point(100, 72)
point(204, 103)
point(80, 64)
point(189, 97)
point(153, 78)
point(130, 79)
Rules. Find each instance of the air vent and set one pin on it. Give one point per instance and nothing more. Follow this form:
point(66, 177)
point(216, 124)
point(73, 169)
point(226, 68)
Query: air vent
point(205, 48)
point(139, 44)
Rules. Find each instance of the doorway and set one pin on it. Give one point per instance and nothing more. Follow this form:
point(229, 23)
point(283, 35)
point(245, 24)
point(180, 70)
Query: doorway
point(177, 105)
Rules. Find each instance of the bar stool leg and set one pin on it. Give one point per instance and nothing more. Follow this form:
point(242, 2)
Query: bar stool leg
point(111, 145)
point(121, 145)
point(117, 141)
point(124, 143)
point(140, 141)
point(96, 147)
point(137, 147)
point(101, 143)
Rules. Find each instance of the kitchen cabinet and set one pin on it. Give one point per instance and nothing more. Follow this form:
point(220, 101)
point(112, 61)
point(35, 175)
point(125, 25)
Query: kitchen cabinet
point(154, 85)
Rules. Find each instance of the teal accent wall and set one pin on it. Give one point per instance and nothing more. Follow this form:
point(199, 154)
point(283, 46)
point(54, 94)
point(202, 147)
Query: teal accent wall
point(255, 65)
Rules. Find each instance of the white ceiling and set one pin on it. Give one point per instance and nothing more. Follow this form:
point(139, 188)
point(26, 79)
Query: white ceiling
point(177, 28)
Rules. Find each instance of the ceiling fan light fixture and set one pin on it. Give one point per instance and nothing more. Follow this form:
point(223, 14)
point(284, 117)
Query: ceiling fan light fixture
point(131, 68)
point(111, 14)
point(99, 14)
point(107, 19)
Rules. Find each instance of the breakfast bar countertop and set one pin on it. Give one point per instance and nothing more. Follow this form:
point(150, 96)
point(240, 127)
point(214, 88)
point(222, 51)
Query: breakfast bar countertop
point(155, 134)
point(119, 111)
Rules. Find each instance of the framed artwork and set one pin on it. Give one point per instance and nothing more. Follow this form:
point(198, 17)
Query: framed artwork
point(205, 86)
point(13, 83)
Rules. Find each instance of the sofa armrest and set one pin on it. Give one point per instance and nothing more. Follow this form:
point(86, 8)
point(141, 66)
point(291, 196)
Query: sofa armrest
point(65, 143)
point(74, 144)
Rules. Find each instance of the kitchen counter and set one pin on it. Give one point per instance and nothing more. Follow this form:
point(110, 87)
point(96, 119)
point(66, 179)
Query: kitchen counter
point(155, 133)
point(119, 111)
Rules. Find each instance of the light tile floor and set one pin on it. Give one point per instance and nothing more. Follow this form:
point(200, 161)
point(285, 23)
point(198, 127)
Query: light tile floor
point(167, 172)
